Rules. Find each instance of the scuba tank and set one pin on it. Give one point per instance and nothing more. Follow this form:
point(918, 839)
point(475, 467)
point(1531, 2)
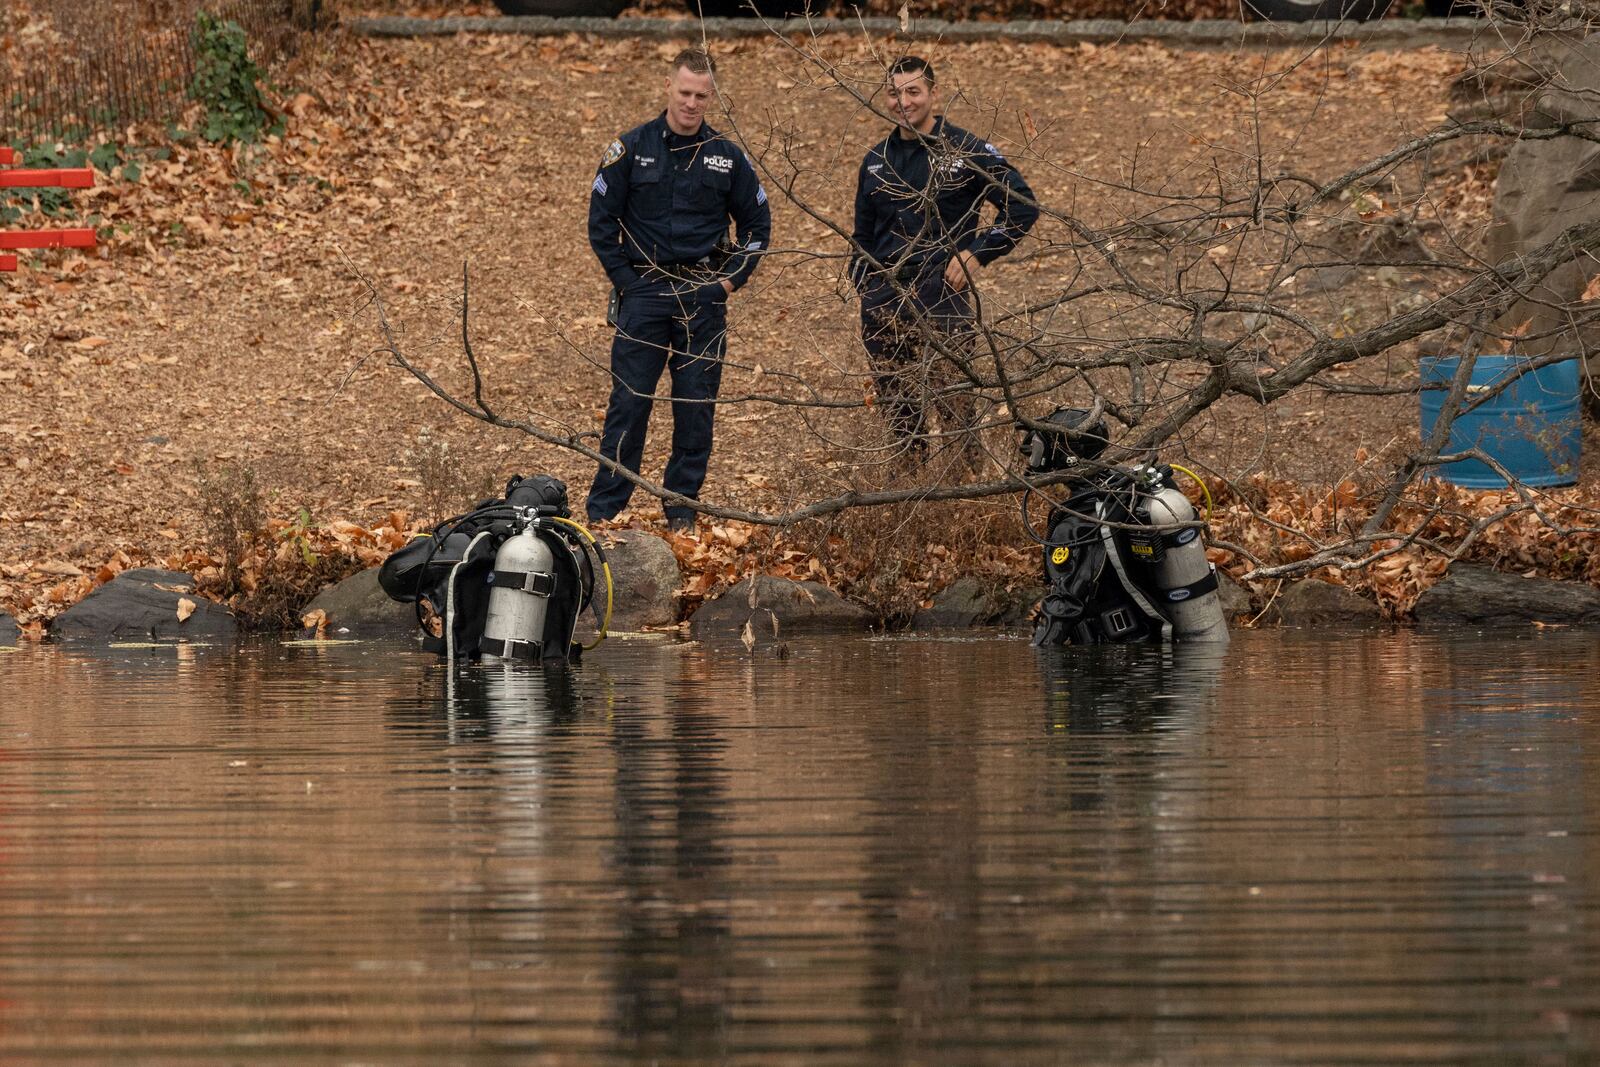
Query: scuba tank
point(1175, 567)
point(523, 578)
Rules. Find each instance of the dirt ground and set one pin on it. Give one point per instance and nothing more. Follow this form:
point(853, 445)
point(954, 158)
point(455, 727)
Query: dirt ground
point(225, 322)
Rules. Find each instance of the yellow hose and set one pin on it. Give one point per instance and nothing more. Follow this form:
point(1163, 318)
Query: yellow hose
point(1201, 482)
point(605, 569)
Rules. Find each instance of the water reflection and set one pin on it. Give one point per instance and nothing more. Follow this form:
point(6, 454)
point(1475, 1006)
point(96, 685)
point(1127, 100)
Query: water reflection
point(874, 851)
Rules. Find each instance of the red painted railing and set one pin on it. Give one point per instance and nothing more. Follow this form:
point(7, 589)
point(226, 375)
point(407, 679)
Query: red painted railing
point(70, 178)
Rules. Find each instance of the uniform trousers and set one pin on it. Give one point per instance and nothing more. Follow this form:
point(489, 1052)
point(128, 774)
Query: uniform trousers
point(909, 335)
point(661, 328)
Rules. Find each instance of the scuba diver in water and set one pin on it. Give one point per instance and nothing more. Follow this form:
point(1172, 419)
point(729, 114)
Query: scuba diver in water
point(1123, 557)
point(507, 580)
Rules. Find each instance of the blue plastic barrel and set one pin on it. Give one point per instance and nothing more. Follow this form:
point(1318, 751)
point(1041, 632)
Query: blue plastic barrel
point(1533, 428)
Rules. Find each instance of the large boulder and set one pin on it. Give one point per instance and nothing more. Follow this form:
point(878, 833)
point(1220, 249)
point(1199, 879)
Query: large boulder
point(968, 602)
point(1234, 596)
point(358, 607)
point(1545, 186)
point(145, 604)
point(797, 607)
point(1472, 595)
point(646, 577)
point(1319, 604)
point(8, 629)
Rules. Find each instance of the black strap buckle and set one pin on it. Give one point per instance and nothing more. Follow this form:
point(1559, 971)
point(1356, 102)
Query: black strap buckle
point(1193, 589)
point(537, 583)
point(1118, 621)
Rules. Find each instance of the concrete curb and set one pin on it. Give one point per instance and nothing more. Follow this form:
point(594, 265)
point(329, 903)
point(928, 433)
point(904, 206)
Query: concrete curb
point(1203, 33)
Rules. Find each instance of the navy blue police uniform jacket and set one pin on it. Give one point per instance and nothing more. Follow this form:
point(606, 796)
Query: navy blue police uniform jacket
point(664, 199)
point(918, 202)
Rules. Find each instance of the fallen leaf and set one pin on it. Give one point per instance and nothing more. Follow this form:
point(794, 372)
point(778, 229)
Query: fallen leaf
point(748, 635)
point(185, 608)
point(316, 620)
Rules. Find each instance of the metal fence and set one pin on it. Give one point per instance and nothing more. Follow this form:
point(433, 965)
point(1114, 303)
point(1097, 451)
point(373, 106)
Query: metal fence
point(70, 68)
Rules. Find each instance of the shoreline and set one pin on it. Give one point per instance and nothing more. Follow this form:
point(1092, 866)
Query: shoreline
point(157, 602)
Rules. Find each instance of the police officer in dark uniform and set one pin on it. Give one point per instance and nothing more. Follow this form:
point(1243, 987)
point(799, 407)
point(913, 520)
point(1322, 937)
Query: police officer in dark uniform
point(658, 220)
point(919, 242)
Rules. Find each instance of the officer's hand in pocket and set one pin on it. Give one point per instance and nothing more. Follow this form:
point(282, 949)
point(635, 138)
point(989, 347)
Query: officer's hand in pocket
point(713, 292)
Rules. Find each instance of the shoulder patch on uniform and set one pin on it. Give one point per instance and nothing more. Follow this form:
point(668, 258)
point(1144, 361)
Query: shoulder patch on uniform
point(614, 152)
point(993, 151)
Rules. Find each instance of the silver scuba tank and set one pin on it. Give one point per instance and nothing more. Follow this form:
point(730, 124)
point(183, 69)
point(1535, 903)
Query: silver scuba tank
point(524, 578)
point(1175, 566)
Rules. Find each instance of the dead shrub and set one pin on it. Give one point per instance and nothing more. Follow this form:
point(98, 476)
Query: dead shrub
point(450, 483)
point(233, 516)
point(263, 570)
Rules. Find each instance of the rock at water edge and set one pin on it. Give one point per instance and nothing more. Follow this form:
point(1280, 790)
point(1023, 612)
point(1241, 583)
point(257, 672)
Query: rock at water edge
point(145, 604)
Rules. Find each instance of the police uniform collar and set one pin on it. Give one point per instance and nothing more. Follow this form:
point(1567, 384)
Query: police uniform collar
point(704, 133)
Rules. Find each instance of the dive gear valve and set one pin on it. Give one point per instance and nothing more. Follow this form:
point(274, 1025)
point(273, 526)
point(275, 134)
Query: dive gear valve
point(523, 579)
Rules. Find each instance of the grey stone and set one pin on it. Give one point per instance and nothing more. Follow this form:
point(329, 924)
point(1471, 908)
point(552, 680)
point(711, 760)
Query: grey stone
point(1473, 595)
point(799, 607)
point(8, 629)
point(1234, 596)
point(357, 604)
point(646, 577)
point(1316, 603)
point(968, 602)
point(143, 604)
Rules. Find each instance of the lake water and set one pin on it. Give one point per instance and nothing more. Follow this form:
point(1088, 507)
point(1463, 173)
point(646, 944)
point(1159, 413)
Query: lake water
point(1372, 850)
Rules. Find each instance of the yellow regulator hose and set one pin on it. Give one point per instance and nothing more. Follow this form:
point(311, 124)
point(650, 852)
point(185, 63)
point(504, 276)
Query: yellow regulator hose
point(1200, 482)
point(605, 567)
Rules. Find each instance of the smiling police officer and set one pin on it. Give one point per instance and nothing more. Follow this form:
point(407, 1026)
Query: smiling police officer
point(658, 220)
point(919, 241)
